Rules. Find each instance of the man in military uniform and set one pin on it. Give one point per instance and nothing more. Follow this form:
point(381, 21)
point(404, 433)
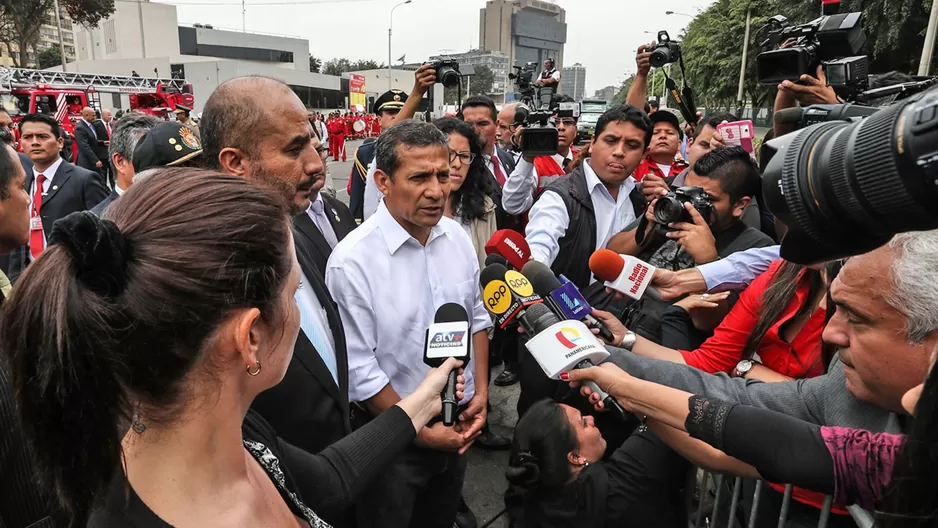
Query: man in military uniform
point(182, 115)
point(387, 107)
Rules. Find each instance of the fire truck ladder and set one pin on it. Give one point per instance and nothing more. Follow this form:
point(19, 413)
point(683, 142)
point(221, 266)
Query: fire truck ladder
point(24, 78)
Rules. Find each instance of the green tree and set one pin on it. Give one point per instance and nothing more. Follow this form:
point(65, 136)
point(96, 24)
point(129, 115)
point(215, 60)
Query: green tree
point(315, 65)
point(49, 57)
point(336, 66)
point(362, 65)
point(20, 20)
point(712, 44)
point(480, 83)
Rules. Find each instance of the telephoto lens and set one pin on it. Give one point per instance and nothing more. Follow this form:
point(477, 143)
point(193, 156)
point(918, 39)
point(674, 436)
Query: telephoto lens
point(846, 187)
point(668, 209)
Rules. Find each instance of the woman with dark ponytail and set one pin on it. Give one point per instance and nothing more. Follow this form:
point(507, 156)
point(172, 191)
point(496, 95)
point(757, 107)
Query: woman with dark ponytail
point(137, 343)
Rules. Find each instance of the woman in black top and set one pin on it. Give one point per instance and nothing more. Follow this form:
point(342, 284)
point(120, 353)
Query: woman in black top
point(137, 344)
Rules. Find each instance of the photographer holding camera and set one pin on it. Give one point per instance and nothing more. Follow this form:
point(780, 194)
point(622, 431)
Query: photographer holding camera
point(533, 173)
point(700, 223)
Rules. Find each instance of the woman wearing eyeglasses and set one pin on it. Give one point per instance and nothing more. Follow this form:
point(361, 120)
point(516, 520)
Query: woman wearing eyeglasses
point(468, 202)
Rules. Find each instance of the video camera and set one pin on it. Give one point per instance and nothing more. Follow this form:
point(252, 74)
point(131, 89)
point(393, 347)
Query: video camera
point(524, 79)
point(666, 51)
point(539, 137)
point(846, 185)
point(834, 41)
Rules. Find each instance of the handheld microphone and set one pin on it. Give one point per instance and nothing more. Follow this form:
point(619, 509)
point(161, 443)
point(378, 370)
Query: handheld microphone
point(789, 116)
point(566, 298)
point(623, 273)
point(521, 288)
point(560, 346)
point(496, 296)
point(511, 245)
point(495, 258)
point(447, 337)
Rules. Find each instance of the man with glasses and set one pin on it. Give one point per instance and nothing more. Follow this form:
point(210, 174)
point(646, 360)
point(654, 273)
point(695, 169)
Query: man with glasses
point(534, 173)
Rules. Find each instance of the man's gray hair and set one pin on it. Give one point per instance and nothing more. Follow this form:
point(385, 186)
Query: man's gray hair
point(410, 133)
point(915, 282)
point(126, 134)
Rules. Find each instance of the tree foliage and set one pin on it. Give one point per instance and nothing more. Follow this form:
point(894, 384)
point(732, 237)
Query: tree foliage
point(342, 65)
point(479, 83)
point(20, 20)
point(713, 42)
point(315, 65)
point(49, 57)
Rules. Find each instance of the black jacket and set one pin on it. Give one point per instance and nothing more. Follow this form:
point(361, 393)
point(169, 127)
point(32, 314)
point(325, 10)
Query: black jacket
point(502, 219)
point(73, 189)
point(88, 147)
point(99, 209)
point(579, 242)
point(342, 223)
point(363, 158)
point(101, 129)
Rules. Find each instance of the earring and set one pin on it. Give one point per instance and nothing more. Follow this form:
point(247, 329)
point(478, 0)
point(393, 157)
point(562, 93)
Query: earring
point(257, 368)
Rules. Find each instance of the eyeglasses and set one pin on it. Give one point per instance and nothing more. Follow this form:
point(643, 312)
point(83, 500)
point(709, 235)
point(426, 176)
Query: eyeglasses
point(465, 157)
point(567, 122)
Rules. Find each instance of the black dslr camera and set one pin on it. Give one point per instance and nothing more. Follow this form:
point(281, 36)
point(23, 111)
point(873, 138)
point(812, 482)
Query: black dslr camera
point(447, 72)
point(666, 52)
point(670, 208)
point(833, 41)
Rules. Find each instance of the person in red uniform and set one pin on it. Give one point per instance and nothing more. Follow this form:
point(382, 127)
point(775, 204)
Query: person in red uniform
point(338, 133)
point(662, 158)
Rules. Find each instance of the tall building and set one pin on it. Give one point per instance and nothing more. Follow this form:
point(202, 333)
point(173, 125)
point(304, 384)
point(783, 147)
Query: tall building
point(493, 60)
point(524, 30)
point(573, 81)
point(48, 38)
point(608, 93)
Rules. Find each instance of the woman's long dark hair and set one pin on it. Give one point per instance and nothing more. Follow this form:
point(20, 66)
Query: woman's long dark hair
point(114, 314)
point(469, 200)
point(912, 498)
point(543, 439)
point(779, 294)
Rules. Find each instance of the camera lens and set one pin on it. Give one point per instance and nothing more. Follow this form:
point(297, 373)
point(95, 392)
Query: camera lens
point(660, 57)
point(844, 188)
point(668, 209)
point(448, 77)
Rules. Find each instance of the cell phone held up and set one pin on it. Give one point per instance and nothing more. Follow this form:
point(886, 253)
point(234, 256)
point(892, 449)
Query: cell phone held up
point(738, 134)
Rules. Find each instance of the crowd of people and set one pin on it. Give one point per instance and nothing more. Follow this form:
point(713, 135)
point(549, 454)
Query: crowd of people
point(192, 333)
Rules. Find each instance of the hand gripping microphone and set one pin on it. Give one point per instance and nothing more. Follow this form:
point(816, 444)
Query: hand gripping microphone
point(511, 245)
point(565, 298)
point(623, 273)
point(561, 346)
point(447, 337)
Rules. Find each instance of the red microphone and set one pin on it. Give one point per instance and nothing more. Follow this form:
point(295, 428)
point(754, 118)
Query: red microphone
point(511, 245)
point(623, 273)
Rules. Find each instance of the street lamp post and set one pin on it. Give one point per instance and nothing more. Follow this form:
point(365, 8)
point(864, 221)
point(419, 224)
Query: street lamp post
point(678, 13)
point(927, 52)
point(742, 67)
point(390, 24)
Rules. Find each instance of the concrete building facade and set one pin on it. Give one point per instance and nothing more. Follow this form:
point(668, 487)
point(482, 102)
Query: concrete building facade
point(494, 60)
point(573, 81)
point(524, 30)
point(48, 38)
point(608, 93)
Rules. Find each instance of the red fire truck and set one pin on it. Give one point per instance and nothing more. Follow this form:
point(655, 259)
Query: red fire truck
point(64, 94)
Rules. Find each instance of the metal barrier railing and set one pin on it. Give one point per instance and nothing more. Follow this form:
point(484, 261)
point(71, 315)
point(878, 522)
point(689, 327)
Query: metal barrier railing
point(757, 495)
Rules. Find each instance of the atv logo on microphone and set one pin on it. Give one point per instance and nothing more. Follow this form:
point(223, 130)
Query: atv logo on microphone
point(447, 340)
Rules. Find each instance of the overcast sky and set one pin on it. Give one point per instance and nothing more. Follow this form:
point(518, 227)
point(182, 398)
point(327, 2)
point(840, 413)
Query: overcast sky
point(601, 34)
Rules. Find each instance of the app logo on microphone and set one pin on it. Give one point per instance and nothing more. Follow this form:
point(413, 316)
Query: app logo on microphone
point(568, 337)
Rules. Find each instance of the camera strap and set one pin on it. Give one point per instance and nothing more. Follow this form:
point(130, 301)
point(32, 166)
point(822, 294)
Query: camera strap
point(684, 97)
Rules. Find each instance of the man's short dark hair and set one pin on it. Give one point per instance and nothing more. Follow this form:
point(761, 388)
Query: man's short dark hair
point(713, 120)
point(734, 168)
point(409, 133)
point(653, 103)
point(626, 114)
point(234, 118)
point(45, 119)
point(478, 101)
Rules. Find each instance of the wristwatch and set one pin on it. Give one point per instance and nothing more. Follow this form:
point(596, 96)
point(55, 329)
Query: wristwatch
point(743, 368)
point(628, 340)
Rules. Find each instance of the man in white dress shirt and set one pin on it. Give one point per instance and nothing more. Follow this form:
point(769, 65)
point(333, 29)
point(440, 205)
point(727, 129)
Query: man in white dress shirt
point(388, 278)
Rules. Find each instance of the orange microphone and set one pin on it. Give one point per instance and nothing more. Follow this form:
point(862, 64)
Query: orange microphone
point(623, 273)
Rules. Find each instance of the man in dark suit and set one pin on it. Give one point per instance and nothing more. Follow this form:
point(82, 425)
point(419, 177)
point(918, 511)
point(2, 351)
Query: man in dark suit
point(326, 222)
point(124, 139)
point(257, 128)
point(91, 148)
point(103, 133)
point(57, 187)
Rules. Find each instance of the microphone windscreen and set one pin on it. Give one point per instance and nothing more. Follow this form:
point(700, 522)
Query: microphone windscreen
point(606, 264)
point(451, 313)
point(492, 272)
point(789, 116)
point(541, 278)
point(495, 258)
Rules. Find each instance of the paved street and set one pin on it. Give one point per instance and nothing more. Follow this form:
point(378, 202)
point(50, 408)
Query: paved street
point(485, 477)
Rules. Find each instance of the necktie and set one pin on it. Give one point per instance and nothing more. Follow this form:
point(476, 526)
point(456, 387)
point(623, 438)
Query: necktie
point(566, 164)
point(36, 237)
point(499, 175)
point(314, 329)
point(322, 222)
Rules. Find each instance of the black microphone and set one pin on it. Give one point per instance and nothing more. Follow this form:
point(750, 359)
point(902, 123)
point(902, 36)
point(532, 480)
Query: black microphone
point(789, 116)
point(447, 337)
point(495, 258)
point(566, 299)
point(561, 346)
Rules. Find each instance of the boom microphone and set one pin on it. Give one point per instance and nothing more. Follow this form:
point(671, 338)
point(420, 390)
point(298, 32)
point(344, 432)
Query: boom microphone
point(566, 298)
point(511, 245)
point(789, 116)
point(561, 346)
point(447, 337)
point(623, 273)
